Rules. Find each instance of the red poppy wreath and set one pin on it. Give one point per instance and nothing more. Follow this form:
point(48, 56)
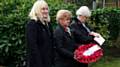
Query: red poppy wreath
point(88, 53)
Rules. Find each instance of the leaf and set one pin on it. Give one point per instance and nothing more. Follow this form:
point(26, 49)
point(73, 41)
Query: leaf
point(2, 45)
point(6, 49)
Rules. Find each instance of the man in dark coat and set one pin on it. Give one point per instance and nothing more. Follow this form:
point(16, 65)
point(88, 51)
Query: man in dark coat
point(65, 44)
point(39, 37)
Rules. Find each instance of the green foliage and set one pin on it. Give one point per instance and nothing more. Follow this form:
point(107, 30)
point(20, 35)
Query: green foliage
point(85, 2)
point(107, 62)
point(14, 16)
point(56, 5)
point(107, 22)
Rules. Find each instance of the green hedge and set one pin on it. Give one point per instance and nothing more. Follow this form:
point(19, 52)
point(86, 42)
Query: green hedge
point(14, 16)
point(107, 22)
point(56, 5)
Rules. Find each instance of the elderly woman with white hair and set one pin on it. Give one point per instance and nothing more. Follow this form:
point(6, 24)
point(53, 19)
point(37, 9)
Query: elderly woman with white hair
point(39, 36)
point(81, 31)
point(65, 44)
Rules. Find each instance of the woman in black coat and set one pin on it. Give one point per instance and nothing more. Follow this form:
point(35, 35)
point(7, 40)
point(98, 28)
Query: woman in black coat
point(65, 44)
point(39, 37)
point(80, 30)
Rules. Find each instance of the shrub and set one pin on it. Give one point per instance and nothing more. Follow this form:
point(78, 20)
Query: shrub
point(107, 22)
point(13, 18)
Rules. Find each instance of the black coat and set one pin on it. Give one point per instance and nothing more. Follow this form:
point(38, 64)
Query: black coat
point(40, 44)
point(65, 47)
point(80, 33)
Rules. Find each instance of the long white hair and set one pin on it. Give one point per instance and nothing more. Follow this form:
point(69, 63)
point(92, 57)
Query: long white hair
point(35, 12)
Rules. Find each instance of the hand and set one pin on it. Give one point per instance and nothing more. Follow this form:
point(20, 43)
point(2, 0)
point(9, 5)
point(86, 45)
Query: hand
point(94, 34)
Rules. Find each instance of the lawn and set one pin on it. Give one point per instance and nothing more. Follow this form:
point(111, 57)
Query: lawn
point(111, 58)
point(107, 62)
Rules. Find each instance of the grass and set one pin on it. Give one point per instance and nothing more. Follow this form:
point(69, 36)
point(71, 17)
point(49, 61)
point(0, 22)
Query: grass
point(107, 62)
point(111, 58)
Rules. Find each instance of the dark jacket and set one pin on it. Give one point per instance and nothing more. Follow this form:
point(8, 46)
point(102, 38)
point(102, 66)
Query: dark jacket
point(65, 47)
point(80, 33)
point(40, 44)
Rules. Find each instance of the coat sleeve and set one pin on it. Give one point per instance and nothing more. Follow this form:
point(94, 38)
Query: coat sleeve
point(80, 37)
point(33, 51)
point(59, 45)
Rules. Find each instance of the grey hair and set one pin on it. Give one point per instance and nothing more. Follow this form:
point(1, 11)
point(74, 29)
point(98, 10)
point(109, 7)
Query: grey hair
point(84, 11)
